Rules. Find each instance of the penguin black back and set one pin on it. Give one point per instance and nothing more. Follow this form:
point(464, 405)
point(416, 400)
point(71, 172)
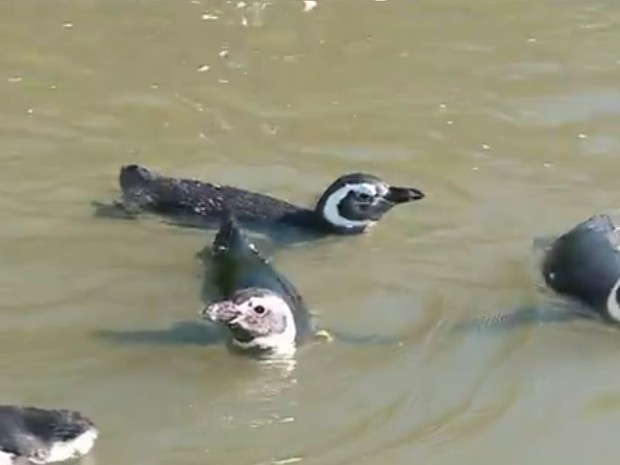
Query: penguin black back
point(143, 189)
point(584, 263)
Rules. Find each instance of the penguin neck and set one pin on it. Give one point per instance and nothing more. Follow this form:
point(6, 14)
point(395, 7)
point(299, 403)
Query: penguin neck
point(314, 219)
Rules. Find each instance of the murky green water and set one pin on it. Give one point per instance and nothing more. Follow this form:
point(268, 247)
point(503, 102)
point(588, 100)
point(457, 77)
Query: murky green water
point(505, 113)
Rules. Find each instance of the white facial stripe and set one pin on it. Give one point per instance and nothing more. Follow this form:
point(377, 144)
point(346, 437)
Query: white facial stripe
point(382, 189)
point(330, 209)
point(73, 448)
point(612, 303)
point(369, 189)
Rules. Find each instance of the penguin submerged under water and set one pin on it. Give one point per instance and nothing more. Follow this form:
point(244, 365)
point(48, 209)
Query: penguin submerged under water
point(32, 435)
point(584, 264)
point(350, 205)
point(262, 310)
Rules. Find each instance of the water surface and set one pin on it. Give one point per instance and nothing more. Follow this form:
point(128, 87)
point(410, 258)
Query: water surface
point(505, 113)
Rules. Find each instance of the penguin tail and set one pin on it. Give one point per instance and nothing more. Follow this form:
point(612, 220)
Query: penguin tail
point(229, 235)
point(135, 176)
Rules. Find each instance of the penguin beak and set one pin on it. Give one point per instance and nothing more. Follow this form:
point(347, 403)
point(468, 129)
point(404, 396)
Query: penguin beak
point(403, 194)
point(224, 311)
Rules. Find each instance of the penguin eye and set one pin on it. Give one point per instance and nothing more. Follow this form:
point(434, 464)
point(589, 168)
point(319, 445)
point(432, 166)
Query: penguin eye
point(364, 196)
point(259, 309)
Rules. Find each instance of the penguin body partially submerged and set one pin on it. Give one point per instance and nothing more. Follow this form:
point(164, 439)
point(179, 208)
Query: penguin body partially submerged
point(31, 435)
point(350, 205)
point(261, 309)
point(584, 264)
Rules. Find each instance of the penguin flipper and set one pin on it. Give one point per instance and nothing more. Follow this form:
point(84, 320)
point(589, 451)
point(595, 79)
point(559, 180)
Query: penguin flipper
point(323, 334)
point(355, 339)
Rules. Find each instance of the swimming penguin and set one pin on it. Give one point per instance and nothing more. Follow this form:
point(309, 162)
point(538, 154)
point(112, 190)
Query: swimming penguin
point(262, 310)
point(584, 264)
point(350, 205)
point(31, 435)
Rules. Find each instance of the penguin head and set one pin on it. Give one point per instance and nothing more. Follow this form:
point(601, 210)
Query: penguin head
point(354, 202)
point(258, 319)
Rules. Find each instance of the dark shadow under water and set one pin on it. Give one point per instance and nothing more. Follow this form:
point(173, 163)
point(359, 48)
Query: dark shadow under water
point(185, 333)
point(194, 333)
point(204, 333)
point(553, 312)
point(271, 239)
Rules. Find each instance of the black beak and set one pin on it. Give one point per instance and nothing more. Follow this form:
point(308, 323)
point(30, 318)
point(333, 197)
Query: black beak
point(403, 194)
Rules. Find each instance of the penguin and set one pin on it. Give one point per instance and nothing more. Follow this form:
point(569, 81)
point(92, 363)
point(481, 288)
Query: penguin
point(32, 435)
point(261, 309)
point(582, 267)
point(352, 204)
point(584, 264)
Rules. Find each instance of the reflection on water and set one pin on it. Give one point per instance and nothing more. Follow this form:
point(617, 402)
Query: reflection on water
point(505, 113)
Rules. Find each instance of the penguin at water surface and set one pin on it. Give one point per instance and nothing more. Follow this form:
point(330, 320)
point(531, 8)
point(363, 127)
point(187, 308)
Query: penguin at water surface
point(261, 309)
point(32, 435)
point(584, 264)
point(350, 205)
